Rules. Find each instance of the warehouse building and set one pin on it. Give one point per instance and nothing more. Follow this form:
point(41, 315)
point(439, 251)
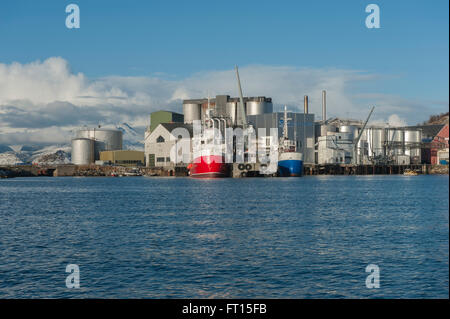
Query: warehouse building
point(123, 158)
point(159, 143)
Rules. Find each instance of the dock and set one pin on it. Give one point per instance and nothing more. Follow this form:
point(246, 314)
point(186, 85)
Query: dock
point(241, 170)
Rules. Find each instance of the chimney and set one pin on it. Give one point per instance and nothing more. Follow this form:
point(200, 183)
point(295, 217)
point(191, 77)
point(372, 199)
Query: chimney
point(305, 102)
point(324, 105)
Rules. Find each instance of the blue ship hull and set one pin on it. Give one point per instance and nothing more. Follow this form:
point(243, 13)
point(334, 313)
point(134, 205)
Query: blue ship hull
point(290, 168)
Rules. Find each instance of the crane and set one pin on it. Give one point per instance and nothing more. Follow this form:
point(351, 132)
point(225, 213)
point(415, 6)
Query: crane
point(243, 117)
point(356, 141)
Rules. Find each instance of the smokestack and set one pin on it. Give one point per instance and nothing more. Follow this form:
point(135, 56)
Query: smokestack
point(305, 102)
point(324, 105)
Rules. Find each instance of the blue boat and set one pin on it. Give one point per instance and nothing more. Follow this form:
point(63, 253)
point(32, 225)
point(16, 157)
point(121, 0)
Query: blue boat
point(290, 162)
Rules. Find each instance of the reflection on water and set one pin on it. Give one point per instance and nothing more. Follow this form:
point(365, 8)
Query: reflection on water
point(308, 237)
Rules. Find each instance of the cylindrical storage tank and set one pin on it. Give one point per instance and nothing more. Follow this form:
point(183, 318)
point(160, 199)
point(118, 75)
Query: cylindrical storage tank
point(82, 151)
point(412, 142)
point(231, 109)
point(104, 139)
point(376, 140)
point(353, 130)
point(362, 146)
point(395, 138)
point(192, 112)
point(259, 107)
point(347, 129)
point(395, 135)
point(413, 136)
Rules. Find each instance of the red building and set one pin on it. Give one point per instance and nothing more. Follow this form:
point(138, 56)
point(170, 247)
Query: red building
point(434, 138)
point(439, 142)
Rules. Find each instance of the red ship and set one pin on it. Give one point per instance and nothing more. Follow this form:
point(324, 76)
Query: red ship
point(210, 166)
point(209, 157)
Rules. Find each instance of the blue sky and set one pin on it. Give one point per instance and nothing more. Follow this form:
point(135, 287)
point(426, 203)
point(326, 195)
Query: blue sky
point(172, 40)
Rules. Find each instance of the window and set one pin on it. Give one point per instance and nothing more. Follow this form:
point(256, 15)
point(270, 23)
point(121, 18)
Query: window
point(160, 139)
point(167, 159)
point(160, 159)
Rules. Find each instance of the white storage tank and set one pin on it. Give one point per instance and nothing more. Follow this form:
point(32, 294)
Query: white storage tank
point(231, 110)
point(395, 139)
point(256, 106)
point(376, 139)
point(192, 112)
point(82, 151)
point(104, 139)
point(413, 139)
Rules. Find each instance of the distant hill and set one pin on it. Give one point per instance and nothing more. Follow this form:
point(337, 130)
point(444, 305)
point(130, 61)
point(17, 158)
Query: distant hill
point(437, 119)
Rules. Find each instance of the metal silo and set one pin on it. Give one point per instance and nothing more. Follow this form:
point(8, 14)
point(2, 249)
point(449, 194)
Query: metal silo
point(413, 138)
point(105, 139)
point(192, 112)
point(395, 141)
point(258, 106)
point(231, 109)
point(362, 146)
point(353, 130)
point(376, 139)
point(82, 151)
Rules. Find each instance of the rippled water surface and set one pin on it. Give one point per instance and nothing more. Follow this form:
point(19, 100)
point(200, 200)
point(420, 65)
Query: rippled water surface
point(309, 237)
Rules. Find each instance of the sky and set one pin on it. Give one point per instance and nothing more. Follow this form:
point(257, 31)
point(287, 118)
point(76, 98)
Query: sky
point(129, 58)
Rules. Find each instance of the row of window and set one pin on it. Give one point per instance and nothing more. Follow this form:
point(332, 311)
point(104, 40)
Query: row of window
point(128, 162)
point(161, 159)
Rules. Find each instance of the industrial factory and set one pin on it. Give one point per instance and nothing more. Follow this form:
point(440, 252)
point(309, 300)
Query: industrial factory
point(327, 142)
point(303, 145)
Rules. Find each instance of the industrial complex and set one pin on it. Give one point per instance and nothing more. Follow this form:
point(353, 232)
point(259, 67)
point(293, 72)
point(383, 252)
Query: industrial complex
point(330, 142)
point(325, 146)
point(342, 145)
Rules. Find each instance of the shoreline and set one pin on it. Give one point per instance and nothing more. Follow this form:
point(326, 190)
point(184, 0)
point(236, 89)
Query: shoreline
point(171, 171)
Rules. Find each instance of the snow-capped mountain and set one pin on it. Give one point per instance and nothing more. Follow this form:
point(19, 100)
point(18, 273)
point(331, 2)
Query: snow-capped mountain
point(133, 139)
point(55, 154)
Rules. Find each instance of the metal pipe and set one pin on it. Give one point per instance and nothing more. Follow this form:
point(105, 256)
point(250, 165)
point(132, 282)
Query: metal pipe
point(305, 103)
point(324, 105)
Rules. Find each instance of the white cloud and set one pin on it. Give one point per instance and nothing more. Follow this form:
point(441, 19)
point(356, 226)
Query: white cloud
point(42, 101)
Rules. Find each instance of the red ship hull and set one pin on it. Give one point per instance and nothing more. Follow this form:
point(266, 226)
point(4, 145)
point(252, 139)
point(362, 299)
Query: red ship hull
point(212, 166)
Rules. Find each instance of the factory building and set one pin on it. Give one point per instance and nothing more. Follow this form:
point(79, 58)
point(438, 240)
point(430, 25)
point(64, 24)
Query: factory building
point(336, 141)
point(159, 143)
point(123, 158)
point(300, 129)
point(89, 142)
point(159, 117)
point(259, 113)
